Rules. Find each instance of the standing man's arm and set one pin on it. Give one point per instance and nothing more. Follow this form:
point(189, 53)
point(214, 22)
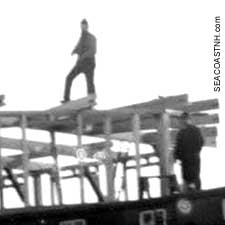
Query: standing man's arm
point(200, 139)
point(77, 48)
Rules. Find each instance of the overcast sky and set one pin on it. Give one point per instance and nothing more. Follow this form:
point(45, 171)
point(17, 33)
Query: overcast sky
point(144, 49)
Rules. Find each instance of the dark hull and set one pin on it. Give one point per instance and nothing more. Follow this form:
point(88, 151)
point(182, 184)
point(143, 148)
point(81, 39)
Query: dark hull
point(203, 208)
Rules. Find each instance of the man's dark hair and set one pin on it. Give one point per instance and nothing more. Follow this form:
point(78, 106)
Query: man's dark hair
point(184, 116)
point(84, 21)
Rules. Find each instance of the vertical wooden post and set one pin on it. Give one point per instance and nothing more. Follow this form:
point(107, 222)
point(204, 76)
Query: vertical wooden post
point(56, 172)
point(109, 161)
point(1, 176)
point(125, 181)
point(79, 144)
point(51, 178)
point(136, 133)
point(164, 145)
point(25, 157)
point(37, 189)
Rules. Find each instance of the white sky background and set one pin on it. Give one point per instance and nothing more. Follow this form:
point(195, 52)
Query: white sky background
point(144, 49)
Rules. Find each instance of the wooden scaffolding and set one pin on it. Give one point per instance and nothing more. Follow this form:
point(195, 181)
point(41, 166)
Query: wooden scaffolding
point(154, 123)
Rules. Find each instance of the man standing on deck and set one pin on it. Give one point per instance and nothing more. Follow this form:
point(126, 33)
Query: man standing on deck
point(189, 142)
point(86, 50)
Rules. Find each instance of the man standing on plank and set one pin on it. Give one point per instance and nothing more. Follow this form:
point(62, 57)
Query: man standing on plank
point(86, 50)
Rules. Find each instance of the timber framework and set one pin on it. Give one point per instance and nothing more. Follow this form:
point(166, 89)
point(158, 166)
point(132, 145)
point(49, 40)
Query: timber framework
point(153, 124)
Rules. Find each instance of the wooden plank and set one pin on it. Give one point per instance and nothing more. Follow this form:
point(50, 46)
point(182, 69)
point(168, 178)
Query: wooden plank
point(207, 132)
point(40, 149)
point(125, 158)
point(32, 113)
point(210, 142)
point(76, 166)
point(67, 108)
point(121, 116)
point(9, 121)
point(122, 113)
point(153, 106)
point(116, 159)
point(74, 106)
point(198, 106)
point(142, 165)
point(32, 166)
point(149, 121)
point(197, 119)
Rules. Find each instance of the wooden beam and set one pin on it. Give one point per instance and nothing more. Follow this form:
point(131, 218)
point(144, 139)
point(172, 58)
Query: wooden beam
point(136, 133)
point(79, 143)
point(25, 160)
point(9, 121)
point(121, 117)
point(157, 103)
point(73, 106)
point(143, 165)
point(52, 193)
point(126, 158)
point(198, 106)
point(207, 132)
point(94, 184)
point(37, 119)
point(32, 166)
point(37, 189)
point(15, 183)
point(18, 114)
point(67, 108)
point(121, 114)
point(116, 159)
point(124, 182)
point(40, 149)
point(56, 166)
point(166, 168)
point(109, 161)
point(150, 121)
point(1, 176)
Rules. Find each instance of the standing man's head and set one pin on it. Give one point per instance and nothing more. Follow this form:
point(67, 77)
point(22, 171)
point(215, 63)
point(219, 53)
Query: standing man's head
point(84, 25)
point(184, 119)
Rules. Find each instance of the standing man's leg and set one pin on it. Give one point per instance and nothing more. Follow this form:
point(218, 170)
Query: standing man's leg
point(69, 79)
point(88, 69)
point(198, 169)
point(90, 82)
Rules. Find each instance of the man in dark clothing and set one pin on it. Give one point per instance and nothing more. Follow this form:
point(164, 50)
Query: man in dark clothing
point(189, 142)
point(86, 50)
